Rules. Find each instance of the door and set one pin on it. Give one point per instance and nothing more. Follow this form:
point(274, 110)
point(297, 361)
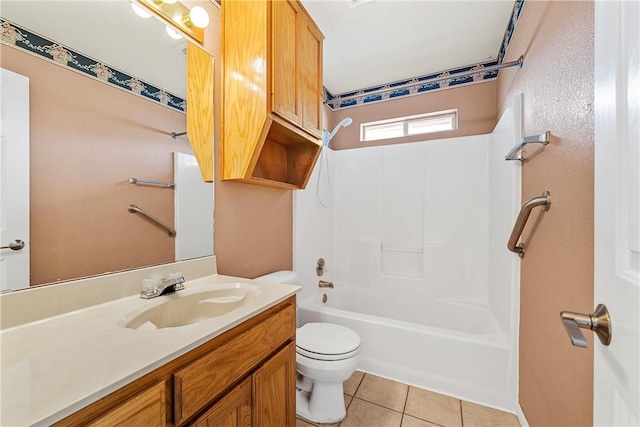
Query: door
point(617, 188)
point(14, 180)
point(274, 385)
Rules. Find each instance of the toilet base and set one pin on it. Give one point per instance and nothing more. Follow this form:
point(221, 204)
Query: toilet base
point(325, 404)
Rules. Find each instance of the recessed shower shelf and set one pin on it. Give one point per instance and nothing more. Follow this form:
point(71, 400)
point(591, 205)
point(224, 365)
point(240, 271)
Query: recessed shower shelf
point(518, 152)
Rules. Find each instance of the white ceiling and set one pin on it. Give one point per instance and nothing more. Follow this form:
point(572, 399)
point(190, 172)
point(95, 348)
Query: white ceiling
point(378, 42)
point(382, 41)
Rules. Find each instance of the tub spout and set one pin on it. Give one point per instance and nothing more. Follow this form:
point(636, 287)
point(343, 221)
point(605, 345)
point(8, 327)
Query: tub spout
point(324, 284)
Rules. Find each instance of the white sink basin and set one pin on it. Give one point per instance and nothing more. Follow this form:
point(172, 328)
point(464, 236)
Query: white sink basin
point(189, 306)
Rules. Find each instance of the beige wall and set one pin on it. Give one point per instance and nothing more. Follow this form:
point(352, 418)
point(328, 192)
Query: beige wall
point(253, 225)
point(87, 139)
point(557, 40)
point(476, 106)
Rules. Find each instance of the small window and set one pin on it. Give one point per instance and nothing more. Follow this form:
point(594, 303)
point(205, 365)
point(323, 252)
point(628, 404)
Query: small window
point(409, 125)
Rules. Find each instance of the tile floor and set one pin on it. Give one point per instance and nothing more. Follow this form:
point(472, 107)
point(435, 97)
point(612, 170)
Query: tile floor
point(379, 402)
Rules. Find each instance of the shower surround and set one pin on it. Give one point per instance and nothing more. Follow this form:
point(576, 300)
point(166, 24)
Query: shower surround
point(414, 238)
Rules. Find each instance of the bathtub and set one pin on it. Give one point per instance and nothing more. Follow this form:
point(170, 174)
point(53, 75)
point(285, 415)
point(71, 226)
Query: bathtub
point(448, 347)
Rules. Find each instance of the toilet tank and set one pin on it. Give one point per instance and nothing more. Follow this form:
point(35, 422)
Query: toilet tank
point(285, 276)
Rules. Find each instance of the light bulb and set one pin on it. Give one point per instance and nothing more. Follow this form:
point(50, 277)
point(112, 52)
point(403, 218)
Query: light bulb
point(138, 10)
point(199, 17)
point(173, 33)
point(170, 1)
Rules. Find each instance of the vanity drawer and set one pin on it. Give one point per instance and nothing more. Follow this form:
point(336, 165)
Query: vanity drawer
point(200, 382)
point(149, 408)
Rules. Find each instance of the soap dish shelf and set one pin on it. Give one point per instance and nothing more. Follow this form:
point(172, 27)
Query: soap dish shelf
point(518, 152)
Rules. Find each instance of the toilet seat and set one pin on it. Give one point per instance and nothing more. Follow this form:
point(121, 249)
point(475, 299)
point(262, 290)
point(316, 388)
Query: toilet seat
point(327, 341)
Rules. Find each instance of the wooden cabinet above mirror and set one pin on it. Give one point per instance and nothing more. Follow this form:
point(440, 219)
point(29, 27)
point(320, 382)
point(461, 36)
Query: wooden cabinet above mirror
point(272, 96)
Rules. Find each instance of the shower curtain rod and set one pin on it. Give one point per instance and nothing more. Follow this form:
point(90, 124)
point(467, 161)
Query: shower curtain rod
point(517, 63)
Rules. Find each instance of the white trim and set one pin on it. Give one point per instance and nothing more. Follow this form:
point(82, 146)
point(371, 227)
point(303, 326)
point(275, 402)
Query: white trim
point(520, 414)
point(518, 124)
point(294, 231)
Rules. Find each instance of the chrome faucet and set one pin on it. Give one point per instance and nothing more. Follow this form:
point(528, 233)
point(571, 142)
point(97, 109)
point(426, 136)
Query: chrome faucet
point(324, 284)
point(167, 285)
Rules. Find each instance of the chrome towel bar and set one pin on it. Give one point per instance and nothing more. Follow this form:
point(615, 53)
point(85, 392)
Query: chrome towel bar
point(521, 221)
point(135, 209)
point(517, 153)
point(150, 182)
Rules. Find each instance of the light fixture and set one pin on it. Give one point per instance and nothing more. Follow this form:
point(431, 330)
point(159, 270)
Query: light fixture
point(198, 17)
point(138, 10)
point(176, 15)
point(173, 33)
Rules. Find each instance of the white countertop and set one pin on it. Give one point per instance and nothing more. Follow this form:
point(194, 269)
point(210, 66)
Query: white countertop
point(53, 367)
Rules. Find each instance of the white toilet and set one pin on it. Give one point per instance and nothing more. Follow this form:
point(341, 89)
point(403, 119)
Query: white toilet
point(326, 356)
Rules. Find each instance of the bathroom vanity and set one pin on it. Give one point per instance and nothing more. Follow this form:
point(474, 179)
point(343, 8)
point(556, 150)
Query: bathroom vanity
point(214, 383)
point(97, 366)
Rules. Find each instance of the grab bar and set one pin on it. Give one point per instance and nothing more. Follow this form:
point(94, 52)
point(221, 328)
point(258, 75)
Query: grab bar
point(135, 209)
point(521, 221)
point(150, 182)
point(517, 153)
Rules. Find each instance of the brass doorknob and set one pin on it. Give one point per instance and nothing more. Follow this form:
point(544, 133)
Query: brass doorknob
point(599, 321)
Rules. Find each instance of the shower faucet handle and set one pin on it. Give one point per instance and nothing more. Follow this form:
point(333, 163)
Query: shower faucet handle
point(599, 321)
point(321, 267)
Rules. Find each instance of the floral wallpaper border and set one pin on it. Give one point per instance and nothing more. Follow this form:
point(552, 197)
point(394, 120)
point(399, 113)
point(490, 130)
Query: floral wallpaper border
point(335, 103)
point(20, 38)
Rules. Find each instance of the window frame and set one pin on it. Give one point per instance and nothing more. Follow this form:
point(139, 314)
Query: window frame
point(405, 120)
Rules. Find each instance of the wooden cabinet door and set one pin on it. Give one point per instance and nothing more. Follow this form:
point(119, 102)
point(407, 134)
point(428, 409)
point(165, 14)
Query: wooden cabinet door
point(310, 66)
point(149, 408)
point(206, 378)
point(285, 99)
point(274, 390)
point(233, 410)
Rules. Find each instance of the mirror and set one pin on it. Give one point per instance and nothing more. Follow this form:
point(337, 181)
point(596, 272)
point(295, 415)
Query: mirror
point(88, 136)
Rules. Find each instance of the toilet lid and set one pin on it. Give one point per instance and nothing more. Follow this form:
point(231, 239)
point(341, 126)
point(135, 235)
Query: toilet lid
point(325, 340)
